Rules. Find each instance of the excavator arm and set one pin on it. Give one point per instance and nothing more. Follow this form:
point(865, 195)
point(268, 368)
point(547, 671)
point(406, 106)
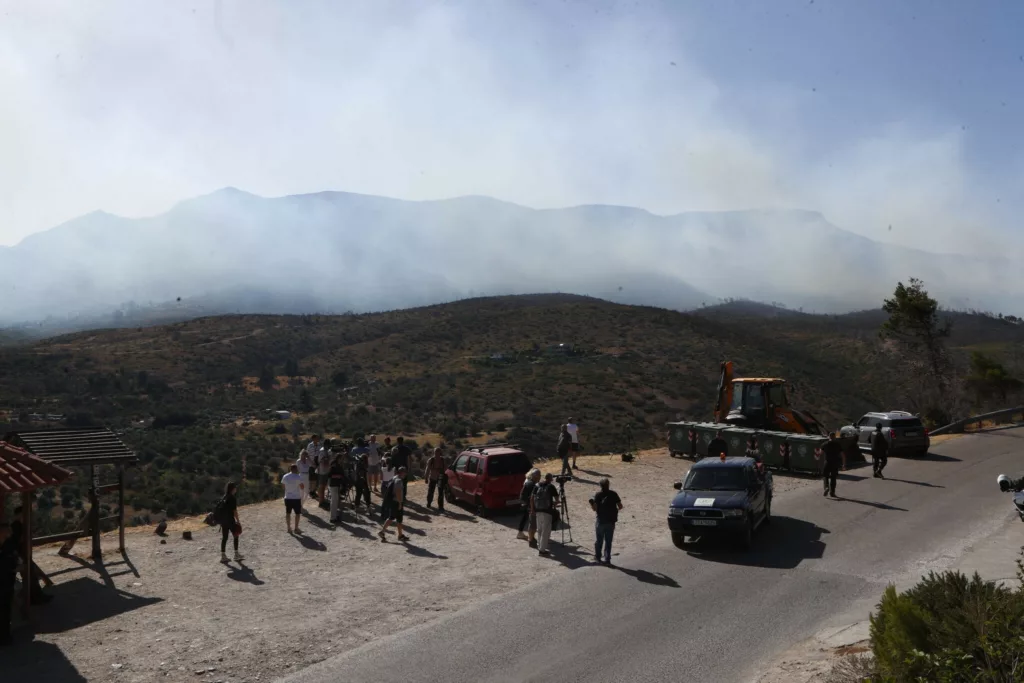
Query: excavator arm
point(724, 399)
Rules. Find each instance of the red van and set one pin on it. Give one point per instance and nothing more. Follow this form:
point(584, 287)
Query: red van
point(489, 478)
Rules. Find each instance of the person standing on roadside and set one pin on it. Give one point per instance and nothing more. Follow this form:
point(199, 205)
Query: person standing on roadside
point(834, 457)
point(336, 478)
point(606, 503)
point(304, 464)
point(8, 570)
point(360, 469)
point(396, 493)
point(433, 472)
point(574, 434)
point(718, 448)
point(564, 448)
point(314, 449)
point(227, 513)
point(324, 467)
point(526, 498)
point(373, 462)
point(879, 451)
point(542, 505)
point(293, 488)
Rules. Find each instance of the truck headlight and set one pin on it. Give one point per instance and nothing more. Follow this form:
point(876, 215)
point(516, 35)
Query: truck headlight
point(735, 513)
point(675, 512)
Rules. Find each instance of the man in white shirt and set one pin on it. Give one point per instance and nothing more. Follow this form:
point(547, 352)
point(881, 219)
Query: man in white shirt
point(574, 434)
point(373, 462)
point(314, 449)
point(293, 491)
point(324, 466)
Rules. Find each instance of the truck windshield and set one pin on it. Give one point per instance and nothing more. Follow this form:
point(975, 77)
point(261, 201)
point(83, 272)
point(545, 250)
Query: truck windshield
point(716, 479)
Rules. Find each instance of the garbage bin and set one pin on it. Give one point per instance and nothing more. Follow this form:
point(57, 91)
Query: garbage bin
point(737, 438)
point(679, 443)
point(801, 452)
point(770, 445)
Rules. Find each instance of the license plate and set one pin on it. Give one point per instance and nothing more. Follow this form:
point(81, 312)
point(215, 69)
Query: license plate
point(515, 502)
point(910, 433)
point(705, 522)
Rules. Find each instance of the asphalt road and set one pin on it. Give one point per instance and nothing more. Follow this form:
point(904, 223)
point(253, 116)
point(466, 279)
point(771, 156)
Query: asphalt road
point(713, 614)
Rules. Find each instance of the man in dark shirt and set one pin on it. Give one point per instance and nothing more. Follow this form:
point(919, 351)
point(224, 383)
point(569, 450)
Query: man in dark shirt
point(8, 568)
point(834, 457)
point(362, 484)
point(336, 482)
point(18, 543)
point(606, 503)
point(879, 451)
point(433, 472)
point(563, 448)
point(718, 448)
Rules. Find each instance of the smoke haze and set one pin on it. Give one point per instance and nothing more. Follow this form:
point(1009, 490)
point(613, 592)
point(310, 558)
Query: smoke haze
point(130, 107)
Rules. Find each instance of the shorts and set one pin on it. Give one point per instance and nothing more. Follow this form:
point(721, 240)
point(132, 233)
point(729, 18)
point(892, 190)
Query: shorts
point(293, 505)
point(576, 446)
point(395, 514)
point(373, 469)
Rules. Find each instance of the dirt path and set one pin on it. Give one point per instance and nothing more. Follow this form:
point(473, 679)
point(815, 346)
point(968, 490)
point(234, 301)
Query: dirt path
point(183, 616)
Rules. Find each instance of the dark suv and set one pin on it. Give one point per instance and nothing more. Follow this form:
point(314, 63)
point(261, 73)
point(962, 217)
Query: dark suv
point(905, 432)
point(721, 497)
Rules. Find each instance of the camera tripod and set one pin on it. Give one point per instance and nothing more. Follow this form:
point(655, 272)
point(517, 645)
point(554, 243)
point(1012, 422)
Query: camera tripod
point(563, 507)
point(629, 454)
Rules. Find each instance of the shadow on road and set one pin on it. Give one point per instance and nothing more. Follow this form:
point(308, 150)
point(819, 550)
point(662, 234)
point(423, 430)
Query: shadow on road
point(572, 556)
point(871, 503)
point(35, 660)
point(309, 543)
point(244, 574)
point(422, 552)
point(783, 544)
point(916, 483)
point(933, 457)
point(357, 531)
point(84, 601)
point(644, 576)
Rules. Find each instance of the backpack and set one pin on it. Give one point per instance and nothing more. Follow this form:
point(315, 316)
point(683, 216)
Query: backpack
point(543, 497)
point(387, 492)
point(220, 512)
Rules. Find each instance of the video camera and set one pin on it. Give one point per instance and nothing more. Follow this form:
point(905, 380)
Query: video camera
point(562, 478)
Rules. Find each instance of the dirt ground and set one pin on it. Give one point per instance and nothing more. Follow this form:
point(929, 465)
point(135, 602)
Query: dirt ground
point(170, 611)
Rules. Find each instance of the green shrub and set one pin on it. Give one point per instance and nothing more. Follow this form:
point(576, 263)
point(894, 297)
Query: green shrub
point(949, 629)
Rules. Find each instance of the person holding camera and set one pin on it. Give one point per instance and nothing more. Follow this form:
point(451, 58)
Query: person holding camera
point(526, 495)
point(542, 504)
point(606, 503)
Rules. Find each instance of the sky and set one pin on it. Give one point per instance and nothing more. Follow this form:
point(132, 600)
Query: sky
point(898, 121)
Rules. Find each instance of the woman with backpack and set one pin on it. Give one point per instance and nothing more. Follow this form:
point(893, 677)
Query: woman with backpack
point(227, 517)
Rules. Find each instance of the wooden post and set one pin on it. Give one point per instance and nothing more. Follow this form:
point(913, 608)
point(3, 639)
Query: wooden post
point(26, 551)
point(120, 504)
point(94, 514)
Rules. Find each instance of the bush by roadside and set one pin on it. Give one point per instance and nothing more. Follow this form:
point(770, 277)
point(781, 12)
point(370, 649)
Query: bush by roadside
point(947, 629)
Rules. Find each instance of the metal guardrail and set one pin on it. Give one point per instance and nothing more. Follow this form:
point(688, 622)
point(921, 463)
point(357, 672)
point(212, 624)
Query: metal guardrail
point(958, 427)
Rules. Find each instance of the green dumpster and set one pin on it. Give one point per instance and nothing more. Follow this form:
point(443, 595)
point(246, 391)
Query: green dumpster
point(679, 438)
point(737, 438)
point(802, 449)
point(770, 445)
point(706, 431)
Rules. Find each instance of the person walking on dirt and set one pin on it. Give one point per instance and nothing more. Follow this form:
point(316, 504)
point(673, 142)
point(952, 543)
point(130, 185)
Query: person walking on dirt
point(564, 448)
point(396, 493)
point(360, 468)
point(606, 503)
point(227, 517)
point(293, 488)
point(433, 472)
point(8, 570)
point(718, 448)
point(879, 451)
point(542, 504)
point(336, 479)
point(304, 464)
point(526, 497)
point(834, 457)
point(373, 462)
point(574, 434)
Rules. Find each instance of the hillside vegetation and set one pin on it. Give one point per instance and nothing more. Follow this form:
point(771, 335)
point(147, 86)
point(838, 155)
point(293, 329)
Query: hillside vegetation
point(194, 397)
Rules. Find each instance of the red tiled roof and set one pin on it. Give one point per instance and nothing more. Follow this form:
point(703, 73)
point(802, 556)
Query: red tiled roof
point(22, 471)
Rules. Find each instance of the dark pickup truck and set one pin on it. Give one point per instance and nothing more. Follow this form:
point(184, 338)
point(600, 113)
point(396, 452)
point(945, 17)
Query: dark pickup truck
point(730, 496)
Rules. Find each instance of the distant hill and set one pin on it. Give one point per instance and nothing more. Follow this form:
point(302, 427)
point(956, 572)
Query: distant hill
point(333, 252)
point(186, 395)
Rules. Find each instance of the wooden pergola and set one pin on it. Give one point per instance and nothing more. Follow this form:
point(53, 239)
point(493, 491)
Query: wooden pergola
point(88, 447)
point(21, 472)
